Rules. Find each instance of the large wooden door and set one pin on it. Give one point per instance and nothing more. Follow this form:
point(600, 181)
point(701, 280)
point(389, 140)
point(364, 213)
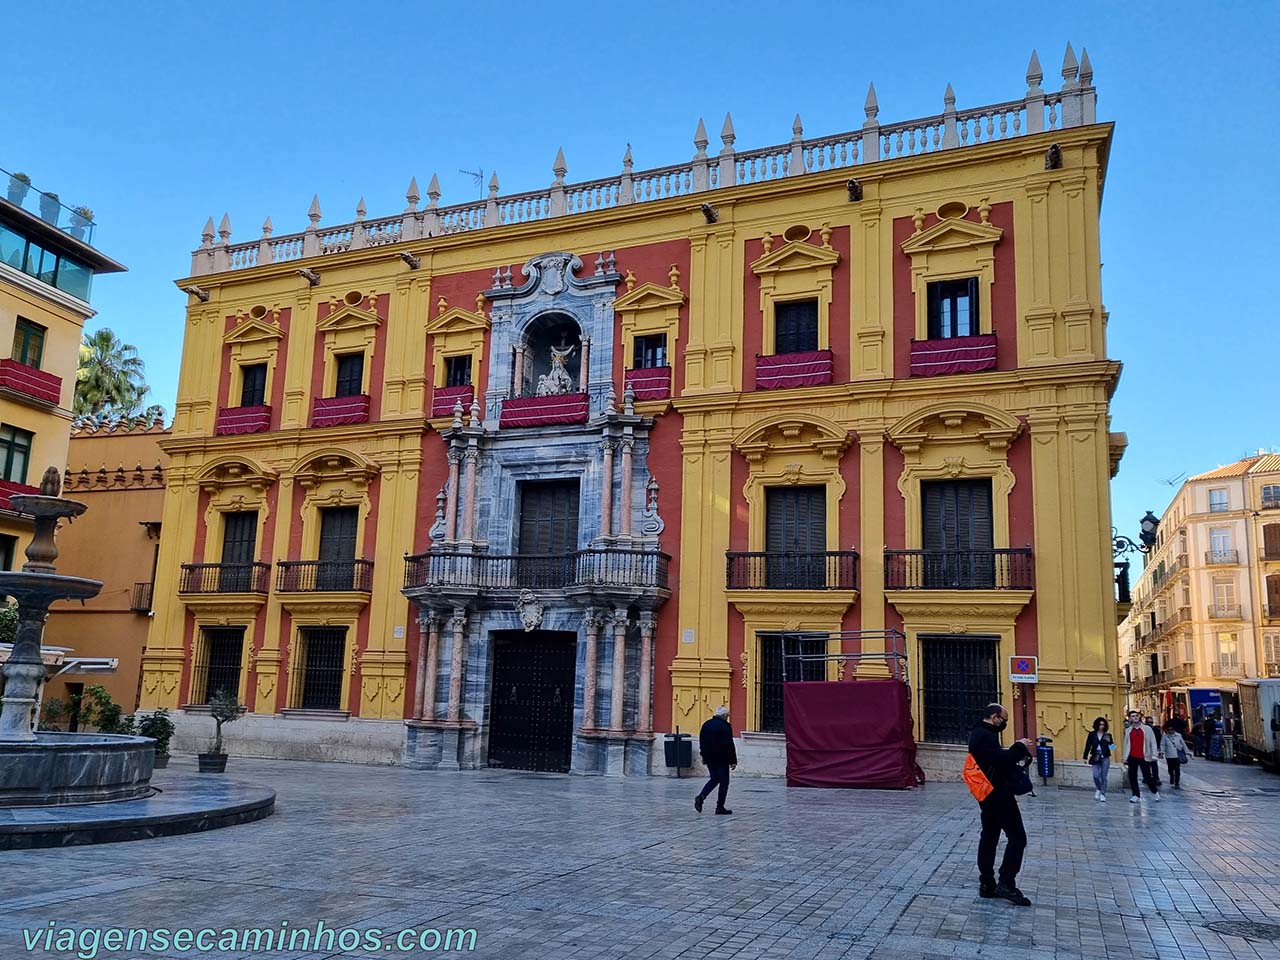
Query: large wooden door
point(957, 534)
point(239, 551)
point(531, 704)
point(548, 533)
point(795, 537)
point(338, 527)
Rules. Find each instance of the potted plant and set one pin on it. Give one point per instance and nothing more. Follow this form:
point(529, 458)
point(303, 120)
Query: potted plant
point(81, 219)
point(19, 185)
point(50, 206)
point(159, 728)
point(224, 708)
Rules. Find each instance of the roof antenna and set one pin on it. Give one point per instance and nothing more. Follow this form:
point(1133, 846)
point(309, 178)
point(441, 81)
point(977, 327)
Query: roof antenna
point(478, 177)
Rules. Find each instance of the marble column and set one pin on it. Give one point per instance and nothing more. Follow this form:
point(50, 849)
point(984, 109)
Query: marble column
point(624, 505)
point(458, 657)
point(584, 372)
point(648, 627)
point(428, 666)
point(517, 377)
point(606, 489)
point(451, 505)
point(472, 457)
point(592, 622)
point(619, 624)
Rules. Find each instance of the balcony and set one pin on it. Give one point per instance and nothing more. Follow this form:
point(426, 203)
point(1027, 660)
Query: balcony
point(213, 578)
point(1224, 611)
point(932, 358)
point(317, 576)
point(830, 570)
point(567, 408)
point(1270, 504)
point(649, 383)
point(779, 371)
point(1215, 557)
point(76, 221)
point(1271, 611)
point(140, 601)
point(1004, 569)
point(642, 571)
point(1269, 552)
point(1228, 670)
point(340, 411)
point(237, 420)
point(1183, 671)
point(8, 488)
point(30, 383)
point(445, 399)
point(1273, 668)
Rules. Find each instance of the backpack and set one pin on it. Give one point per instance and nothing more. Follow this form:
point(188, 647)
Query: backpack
point(976, 780)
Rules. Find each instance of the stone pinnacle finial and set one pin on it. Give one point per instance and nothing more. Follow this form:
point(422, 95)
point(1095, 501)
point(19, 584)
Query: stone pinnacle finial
point(457, 412)
point(700, 139)
point(207, 233)
point(493, 184)
point(411, 194)
point(433, 190)
point(560, 168)
point(797, 128)
point(611, 401)
point(1034, 73)
point(267, 228)
point(1069, 65)
point(474, 414)
point(51, 483)
point(313, 213)
point(361, 209)
point(626, 160)
point(871, 106)
point(224, 228)
point(949, 98)
point(629, 400)
point(727, 136)
point(1086, 68)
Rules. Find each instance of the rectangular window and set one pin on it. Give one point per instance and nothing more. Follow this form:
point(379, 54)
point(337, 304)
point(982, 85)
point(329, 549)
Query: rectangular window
point(771, 667)
point(795, 538)
point(1271, 647)
point(8, 547)
point(651, 351)
point(1188, 651)
point(350, 375)
point(338, 527)
point(953, 308)
point(1220, 540)
point(218, 665)
point(1228, 650)
point(28, 342)
point(15, 451)
point(1271, 495)
point(1217, 501)
point(322, 656)
point(239, 551)
point(959, 535)
point(73, 278)
point(13, 247)
point(253, 388)
point(547, 532)
point(795, 327)
point(457, 371)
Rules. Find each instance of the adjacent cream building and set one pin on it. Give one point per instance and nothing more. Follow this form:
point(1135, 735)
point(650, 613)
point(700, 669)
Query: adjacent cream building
point(1206, 609)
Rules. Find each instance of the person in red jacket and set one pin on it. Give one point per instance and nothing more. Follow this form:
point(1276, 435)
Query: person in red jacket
point(1000, 809)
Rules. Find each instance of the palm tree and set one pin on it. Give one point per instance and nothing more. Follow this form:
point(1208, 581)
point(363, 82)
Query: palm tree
point(109, 380)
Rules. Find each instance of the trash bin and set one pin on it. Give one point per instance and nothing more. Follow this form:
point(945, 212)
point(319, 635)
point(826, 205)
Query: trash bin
point(678, 748)
point(1044, 757)
point(1228, 749)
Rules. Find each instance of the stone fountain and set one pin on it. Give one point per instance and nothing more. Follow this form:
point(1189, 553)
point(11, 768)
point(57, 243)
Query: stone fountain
point(41, 769)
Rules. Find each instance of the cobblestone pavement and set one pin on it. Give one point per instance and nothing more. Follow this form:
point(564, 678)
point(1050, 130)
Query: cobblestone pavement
point(566, 867)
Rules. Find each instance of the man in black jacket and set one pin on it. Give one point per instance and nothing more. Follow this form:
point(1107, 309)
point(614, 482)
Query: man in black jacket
point(1000, 808)
point(715, 741)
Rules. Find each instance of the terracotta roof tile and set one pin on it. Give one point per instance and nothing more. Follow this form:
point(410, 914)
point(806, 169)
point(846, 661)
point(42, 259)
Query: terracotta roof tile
point(1237, 469)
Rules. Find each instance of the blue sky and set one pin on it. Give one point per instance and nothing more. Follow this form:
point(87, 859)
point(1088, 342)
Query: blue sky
point(158, 116)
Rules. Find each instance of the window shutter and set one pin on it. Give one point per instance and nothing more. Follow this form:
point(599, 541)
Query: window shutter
point(1273, 592)
point(795, 520)
point(1271, 539)
point(338, 533)
point(935, 311)
point(974, 326)
point(240, 534)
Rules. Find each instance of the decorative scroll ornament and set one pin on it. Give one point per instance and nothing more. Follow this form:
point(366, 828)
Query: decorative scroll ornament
point(530, 610)
point(651, 523)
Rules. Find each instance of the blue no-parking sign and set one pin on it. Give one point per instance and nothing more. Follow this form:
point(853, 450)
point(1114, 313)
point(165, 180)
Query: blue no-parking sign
point(1022, 669)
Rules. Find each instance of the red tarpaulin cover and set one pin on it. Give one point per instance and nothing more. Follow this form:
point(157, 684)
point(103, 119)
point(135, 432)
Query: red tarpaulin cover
point(851, 733)
point(953, 355)
point(444, 399)
point(337, 411)
point(781, 370)
point(544, 411)
point(236, 420)
point(650, 383)
point(30, 381)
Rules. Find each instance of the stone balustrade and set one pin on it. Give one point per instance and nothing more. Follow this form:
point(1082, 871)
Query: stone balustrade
point(1037, 111)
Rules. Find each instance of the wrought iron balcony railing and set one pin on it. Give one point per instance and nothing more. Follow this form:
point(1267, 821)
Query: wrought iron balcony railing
point(312, 576)
point(1228, 670)
point(1004, 569)
point(599, 566)
point(1273, 668)
point(140, 602)
point(1271, 611)
point(828, 570)
point(1271, 552)
point(1221, 556)
point(1224, 611)
point(225, 578)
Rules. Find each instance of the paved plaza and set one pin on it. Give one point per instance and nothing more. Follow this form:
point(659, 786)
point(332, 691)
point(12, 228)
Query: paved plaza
point(567, 867)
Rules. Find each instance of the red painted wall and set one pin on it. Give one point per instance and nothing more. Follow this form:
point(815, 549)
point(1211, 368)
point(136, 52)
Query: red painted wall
point(459, 290)
point(665, 463)
point(380, 305)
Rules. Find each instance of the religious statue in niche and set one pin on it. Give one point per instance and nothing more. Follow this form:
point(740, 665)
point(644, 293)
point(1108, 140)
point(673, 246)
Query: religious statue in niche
point(557, 381)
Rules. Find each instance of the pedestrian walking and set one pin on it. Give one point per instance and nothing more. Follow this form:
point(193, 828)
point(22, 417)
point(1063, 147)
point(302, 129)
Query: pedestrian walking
point(1154, 766)
point(715, 742)
point(999, 806)
point(1174, 750)
point(1138, 754)
point(1178, 722)
point(1098, 747)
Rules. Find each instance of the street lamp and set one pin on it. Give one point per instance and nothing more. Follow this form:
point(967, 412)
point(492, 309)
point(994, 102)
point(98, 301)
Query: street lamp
point(1120, 545)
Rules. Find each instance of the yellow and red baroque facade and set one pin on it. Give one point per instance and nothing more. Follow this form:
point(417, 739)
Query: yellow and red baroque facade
point(534, 480)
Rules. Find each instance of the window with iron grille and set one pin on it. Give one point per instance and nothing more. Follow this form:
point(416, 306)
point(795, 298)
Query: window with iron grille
point(959, 679)
point(217, 667)
point(28, 342)
point(350, 375)
point(953, 308)
point(770, 671)
point(651, 351)
point(253, 387)
point(322, 652)
point(795, 327)
point(15, 451)
point(457, 371)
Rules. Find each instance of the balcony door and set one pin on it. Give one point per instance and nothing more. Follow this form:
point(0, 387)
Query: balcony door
point(795, 537)
point(548, 534)
point(338, 527)
point(239, 551)
point(958, 535)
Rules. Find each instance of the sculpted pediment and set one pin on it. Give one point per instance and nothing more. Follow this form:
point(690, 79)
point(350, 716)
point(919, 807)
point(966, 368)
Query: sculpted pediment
point(349, 317)
point(253, 331)
point(796, 255)
point(952, 422)
point(649, 296)
point(790, 432)
point(953, 233)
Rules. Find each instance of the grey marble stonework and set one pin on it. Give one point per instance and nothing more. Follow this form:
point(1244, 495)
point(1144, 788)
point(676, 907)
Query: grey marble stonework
point(61, 768)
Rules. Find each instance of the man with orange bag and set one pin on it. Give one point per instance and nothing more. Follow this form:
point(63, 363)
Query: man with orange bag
point(988, 772)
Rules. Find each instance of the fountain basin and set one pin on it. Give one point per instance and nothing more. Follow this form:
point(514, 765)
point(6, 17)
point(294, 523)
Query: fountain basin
point(60, 768)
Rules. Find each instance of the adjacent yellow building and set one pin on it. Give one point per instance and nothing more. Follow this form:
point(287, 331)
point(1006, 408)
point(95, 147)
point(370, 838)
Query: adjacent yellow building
point(534, 480)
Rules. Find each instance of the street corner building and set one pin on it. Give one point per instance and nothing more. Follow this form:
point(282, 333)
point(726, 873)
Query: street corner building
point(48, 259)
point(532, 481)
